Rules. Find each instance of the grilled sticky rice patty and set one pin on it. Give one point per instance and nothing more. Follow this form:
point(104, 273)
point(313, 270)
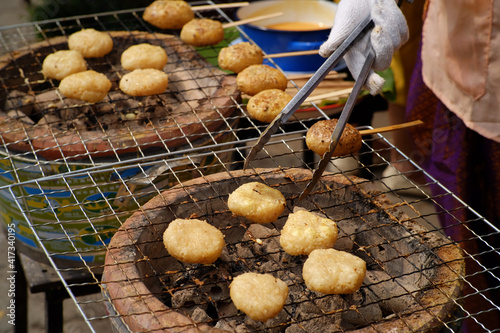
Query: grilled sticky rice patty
point(89, 86)
point(259, 296)
point(239, 56)
point(62, 63)
point(142, 56)
point(144, 82)
point(202, 32)
point(257, 202)
point(168, 14)
point(91, 43)
point(193, 241)
point(257, 78)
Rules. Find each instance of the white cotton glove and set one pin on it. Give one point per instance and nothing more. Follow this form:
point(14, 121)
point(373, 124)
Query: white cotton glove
point(389, 33)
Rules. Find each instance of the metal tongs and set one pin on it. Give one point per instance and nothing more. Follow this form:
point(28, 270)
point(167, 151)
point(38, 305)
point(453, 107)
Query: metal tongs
point(363, 28)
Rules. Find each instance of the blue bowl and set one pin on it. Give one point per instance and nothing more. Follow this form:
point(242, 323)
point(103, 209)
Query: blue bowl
point(296, 14)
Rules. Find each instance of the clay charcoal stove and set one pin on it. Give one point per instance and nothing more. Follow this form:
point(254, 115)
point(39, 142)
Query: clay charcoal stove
point(412, 281)
point(36, 118)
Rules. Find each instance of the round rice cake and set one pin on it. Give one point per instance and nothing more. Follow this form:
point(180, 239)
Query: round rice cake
point(144, 82)
point(202, 32)
point(91, 43)
point(304, 232)
point(267, 104)
point(89, 86)
point(256, 78)
point(259, 296)
point(257, 202)
point(329, 271)
point(173, 14)
point(142, 56)
point(193, 241)
point(239, 56)
point(318, 138)
point(62, 63)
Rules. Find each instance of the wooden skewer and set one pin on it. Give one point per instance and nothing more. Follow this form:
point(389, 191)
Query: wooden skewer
point(221, 5)
point(391, 128)
point(330, 76)
point(337, 93)
point(250, 20)
point(291, 54)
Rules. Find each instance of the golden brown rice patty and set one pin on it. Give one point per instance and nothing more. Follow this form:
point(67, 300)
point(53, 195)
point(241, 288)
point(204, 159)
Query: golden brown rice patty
point(144, 82)
point(329, 271)
point(239, 56)
point(259, 296)
point(256, 78)
point(304, 232)
point(257, 202)
point(62, 63)
point(267, 104)
point(89, 86)
point(142, 56)
point(202, 32)
point(91, 43)
point(193, 241)
point(168, 14)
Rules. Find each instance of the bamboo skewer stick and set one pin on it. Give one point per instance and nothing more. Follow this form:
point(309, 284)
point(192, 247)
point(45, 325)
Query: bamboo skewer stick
point(337, 93)
point(330, 76)
point(220, 6)
point(291, 54)
point(391, 127)
point(250, 20)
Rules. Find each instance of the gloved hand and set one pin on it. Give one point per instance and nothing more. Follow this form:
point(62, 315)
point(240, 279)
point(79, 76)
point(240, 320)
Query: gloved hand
point(389, 33)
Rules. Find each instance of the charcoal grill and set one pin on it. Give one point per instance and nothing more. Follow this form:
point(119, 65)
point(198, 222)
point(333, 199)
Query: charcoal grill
point(69, 206)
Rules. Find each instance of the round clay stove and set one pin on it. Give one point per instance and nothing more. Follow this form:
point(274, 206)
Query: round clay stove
point(37, 118)
point(44, 133)
point(413, 276)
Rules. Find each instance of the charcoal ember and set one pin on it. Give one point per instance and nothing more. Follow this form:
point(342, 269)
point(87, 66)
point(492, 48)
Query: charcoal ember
point(231, 326)
point(276, 324)
point(243, 251)
point(215, 291)
point(268, 266)
point(363, 308)
point(345, 242)
point(20, 101)
point(396, 294)
point(227, 310)
point(273, 325)
point(349, 226)
point(312, 316)
point(292, 277)
point(21, 116)
point(70, 113)
point(110, 120)
point(47, 100)
point(259, 231)
point(121, 101)
point(264, 242)
point(51, 120)
point(310, 311)
point(200, 316)
point(187, 297)
point(79, 124)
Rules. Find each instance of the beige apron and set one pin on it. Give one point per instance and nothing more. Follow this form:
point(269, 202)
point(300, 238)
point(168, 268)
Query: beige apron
point(461, 60)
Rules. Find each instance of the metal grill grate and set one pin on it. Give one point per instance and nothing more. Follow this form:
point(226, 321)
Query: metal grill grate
point(66, 208)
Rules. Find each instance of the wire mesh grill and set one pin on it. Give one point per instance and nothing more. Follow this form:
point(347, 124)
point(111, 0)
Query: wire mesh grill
point(66, 208)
